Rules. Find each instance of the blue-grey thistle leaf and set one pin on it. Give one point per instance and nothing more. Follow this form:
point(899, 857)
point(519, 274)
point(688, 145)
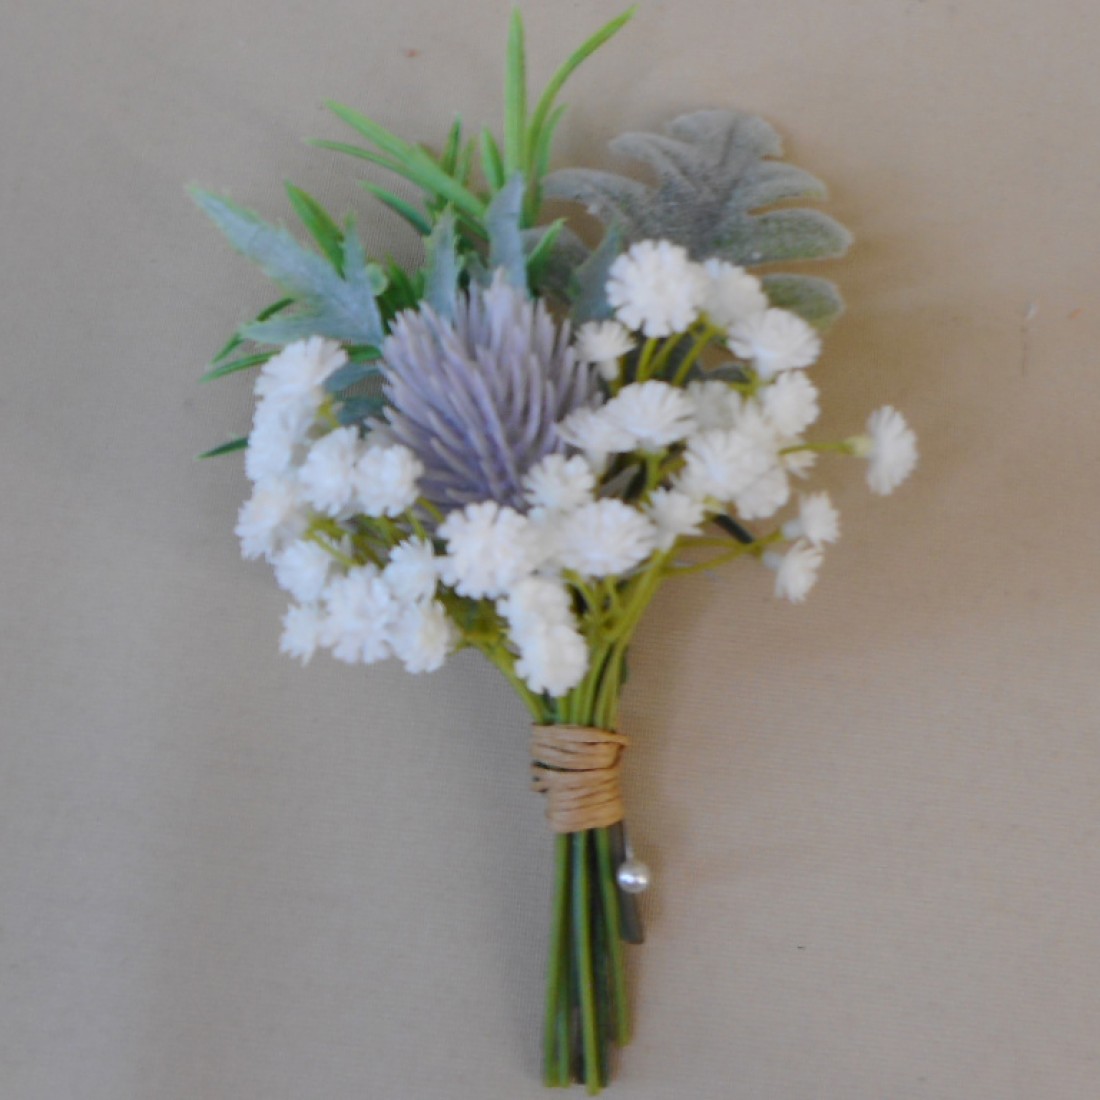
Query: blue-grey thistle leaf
point(478, 399)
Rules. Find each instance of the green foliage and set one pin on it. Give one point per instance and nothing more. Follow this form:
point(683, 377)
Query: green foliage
point(714, 169)
point(323, 229)
point(226, 448)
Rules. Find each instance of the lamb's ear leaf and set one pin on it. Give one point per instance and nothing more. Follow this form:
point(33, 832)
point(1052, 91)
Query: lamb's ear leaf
point(714, 171)
point(815, 300)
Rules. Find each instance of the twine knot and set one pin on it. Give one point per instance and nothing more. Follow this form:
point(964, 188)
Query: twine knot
point(577, 768)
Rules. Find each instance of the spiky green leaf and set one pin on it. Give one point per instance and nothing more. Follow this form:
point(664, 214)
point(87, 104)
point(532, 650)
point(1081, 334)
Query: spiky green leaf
point(399, 206)
point(515, 99)
point(491, 164)
point(236, 340)
point(246, 362)
point(569, 66)
point(316, 219)
point(226, 448)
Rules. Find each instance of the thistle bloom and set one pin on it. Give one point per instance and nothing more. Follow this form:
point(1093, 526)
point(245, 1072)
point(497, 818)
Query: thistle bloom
point(478, 400)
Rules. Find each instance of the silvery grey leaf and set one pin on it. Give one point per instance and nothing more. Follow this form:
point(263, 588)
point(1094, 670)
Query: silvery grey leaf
point(713, 170)
point(503, 219)
point(815, 300)
point(589, 293)
point(443, 267)
point(341, 308)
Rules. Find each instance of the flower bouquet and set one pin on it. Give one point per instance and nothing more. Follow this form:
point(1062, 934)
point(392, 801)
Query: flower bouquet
point(514, 446)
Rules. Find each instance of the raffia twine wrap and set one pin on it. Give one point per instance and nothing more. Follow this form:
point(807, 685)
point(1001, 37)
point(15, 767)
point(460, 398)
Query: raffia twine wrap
point(577, 768)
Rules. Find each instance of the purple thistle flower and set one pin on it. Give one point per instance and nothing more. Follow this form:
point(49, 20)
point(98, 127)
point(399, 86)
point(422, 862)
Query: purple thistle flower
point(478, 399)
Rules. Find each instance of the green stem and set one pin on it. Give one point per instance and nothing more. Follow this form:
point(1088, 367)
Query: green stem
point(642, 371)
point(556, 1033)
point(705, 336)
point(610, 896)
point(585, 975)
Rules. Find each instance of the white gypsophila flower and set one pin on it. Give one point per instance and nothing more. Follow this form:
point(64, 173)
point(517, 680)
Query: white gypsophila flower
point(795, 571)
point(714, 403)
point(272, 516)
point(891, 448)
point(593, 432)
point(489, 548)
point(553, 660)
point(604, 538)
point(360, 616)
point(412, 571)
point(297, 374)
point(775, 340)
point(301, 635)
point(277, 441)
point(655, 288)
point(533, 605)
point(798, 463)
point(558, 484)
point(790, 403)
point(720, 464)
point(674, 513)
point(817, 521)
point(603, 343)
point(302, 569)
point(654, 414)
point(764, 495)
point(328, 473)
point(424, 636)
point(730, 294)
point(385, 480)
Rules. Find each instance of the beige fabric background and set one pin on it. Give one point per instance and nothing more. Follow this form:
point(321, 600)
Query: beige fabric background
point(872, 819)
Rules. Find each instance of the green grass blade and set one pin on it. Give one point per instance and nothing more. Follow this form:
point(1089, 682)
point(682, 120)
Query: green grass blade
point(244, 363)
point(414, 163)
point(541, 252)
point(449, 158)
point(491, 164)
point(466, 162)
point(226, 448)
point(316, 219)
point(515, 100)
point(572, 63)
point(358, 151)
point(540, 157)
point(236, 340)
point(399, 206)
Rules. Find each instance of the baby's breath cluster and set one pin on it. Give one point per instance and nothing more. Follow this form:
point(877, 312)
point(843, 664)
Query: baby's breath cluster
point(645, 478)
